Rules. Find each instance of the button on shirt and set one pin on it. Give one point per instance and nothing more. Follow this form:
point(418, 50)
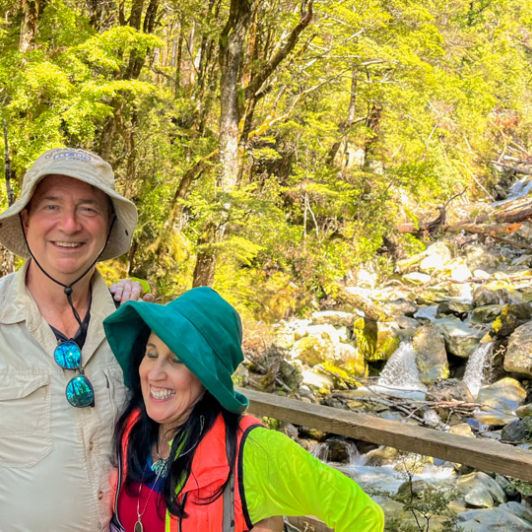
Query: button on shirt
point(55, 460)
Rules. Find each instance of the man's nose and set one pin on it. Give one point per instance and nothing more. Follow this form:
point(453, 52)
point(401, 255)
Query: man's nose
point(69, 221)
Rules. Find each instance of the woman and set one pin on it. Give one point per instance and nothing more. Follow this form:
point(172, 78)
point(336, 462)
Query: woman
point(189, 460)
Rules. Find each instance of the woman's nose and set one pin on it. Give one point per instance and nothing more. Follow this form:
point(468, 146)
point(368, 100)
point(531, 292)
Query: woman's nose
point(157, 371)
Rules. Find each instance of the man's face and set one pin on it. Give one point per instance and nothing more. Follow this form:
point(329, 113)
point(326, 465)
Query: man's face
point(66, 225)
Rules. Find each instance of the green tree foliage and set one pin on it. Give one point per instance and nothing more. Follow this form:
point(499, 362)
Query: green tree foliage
point(351, 113)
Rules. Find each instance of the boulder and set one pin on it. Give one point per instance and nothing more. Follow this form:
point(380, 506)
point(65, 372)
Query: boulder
point(511, 317)
point(486, 313)
point(336, 318)
point(496, 520)
point(416, 278)
point(500, 400)
point(480, 490)
point(524, 411)
point(518, 430)
point(435, 257)
point(518, 357)
point(483, 296)
point(375, 340)
point(460, 339)
point(431, 357)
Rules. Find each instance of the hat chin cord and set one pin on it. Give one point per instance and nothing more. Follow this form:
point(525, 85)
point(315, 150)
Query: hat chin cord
point(68, 288)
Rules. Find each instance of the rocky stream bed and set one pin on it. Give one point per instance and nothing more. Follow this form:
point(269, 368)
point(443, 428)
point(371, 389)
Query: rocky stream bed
point(446, 343)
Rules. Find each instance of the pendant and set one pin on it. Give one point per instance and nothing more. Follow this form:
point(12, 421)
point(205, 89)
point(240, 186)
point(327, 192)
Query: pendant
point(158, 467)
point(138, 527)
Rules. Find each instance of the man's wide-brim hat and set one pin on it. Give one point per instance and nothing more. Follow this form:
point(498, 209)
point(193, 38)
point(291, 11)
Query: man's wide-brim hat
point(201, 328)
point(84, 166)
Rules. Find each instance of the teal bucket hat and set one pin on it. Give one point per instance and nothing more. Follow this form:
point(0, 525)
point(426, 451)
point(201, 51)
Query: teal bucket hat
point(200, 327)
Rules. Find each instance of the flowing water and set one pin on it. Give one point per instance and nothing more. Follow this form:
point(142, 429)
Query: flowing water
point(400, 376)
point(474, 373)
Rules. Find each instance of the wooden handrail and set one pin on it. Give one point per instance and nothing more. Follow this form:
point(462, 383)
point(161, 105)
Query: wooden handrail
point(487, 455)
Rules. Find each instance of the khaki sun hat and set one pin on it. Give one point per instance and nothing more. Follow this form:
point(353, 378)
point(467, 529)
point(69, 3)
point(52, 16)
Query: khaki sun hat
point(84, 166)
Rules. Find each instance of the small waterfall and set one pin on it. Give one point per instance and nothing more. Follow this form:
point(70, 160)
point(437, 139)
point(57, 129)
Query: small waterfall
point(322, 451)
point(400, 376)
point(474, 372)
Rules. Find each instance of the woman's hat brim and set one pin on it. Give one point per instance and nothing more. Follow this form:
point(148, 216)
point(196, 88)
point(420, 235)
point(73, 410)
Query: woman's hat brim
point(182, 337)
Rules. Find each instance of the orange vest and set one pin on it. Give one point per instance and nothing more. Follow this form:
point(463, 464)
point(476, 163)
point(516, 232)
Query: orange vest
point(209, 471)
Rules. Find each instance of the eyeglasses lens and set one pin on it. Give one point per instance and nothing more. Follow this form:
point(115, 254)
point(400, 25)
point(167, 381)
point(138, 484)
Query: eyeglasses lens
point(79, 390)
point(68, 355)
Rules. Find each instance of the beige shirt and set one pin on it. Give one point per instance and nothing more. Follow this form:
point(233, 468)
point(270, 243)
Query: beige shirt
point(55, 460)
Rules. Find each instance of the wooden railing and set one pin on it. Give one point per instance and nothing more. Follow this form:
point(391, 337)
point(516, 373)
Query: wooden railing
point(487, 455)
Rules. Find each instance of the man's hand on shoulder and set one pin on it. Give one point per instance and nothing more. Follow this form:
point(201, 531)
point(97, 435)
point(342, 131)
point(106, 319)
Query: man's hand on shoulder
point(131, 290)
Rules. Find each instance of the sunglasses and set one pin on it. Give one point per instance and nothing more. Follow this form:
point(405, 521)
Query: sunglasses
point(79, 390)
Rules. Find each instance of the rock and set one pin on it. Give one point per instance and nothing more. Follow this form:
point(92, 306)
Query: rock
point(431, 357)
point(518, 357)
point(311, 350)
point(486, 313)
point(518, 430)
point(290, 374)
point(408, 489)
point(524, 411)
point(333, 317)
point(457, 308)
point(432, 295)
point(480, 490)
point(496, 519)
point(435, 257)
point(400, 307)
point(481, 274)
point(404, 322)
point(460, 339)
point(500, 401)
point(511, 317)
point(482, 257)
point(317, 382)
point(462, 429)
point(507, 486)
point(416, 278)
point(341, 450)
point(376, 341)
point(482, 296)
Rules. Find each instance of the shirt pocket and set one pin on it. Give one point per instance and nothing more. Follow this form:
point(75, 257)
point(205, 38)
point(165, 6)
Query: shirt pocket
point(25, 436)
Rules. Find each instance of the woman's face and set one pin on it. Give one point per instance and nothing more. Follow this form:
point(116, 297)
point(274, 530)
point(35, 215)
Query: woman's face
point(169, 388)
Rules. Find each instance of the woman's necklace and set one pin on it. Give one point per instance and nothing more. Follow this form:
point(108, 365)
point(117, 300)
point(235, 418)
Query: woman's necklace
point(160, 463)
point(138, 524)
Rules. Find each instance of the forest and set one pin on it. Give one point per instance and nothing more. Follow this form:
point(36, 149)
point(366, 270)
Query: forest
point(272, 147)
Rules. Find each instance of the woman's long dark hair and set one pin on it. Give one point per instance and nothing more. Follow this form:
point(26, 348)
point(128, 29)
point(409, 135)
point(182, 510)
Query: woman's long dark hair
point(144, 434)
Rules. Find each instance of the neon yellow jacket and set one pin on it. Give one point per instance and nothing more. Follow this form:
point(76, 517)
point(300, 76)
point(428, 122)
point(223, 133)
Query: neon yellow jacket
point(281, 478)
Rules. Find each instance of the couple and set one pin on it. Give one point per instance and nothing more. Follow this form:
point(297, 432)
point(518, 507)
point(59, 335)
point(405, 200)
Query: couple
point(188, 459)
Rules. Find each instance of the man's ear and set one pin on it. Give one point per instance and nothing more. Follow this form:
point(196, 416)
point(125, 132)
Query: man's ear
point(24, 216)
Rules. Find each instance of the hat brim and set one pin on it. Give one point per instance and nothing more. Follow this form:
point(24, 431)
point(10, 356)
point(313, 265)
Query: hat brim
point(122, 330)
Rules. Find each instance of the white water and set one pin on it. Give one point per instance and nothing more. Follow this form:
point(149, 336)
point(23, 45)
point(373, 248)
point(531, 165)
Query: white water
point(400, 376)
point(428, 312)
point(474, 373)
point(518, 189)
point(321, 452)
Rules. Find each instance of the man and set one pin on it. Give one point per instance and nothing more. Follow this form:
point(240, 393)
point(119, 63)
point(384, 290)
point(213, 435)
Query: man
point(59, 400)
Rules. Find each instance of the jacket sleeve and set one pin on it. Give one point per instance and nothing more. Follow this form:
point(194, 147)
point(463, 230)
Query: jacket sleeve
point(281, 478)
